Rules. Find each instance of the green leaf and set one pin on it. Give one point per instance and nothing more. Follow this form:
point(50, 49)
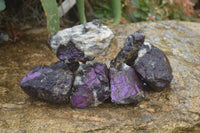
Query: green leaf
point(2, 5)
point(140, 14)
point(81, 10)
point(135, 19)
point(136, 13)
point(144, 9)
point(5, 37)
point(98, 15)
point(135, 3)
point(143, 3)
point(107, 7)
point(158, 17)
point(176, 16)
point(51, 12)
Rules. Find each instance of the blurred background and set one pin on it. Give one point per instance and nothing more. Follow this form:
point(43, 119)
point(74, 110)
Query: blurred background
point(21, 15)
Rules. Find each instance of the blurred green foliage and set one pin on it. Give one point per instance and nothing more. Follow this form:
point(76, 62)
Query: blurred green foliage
point(145, 10)
point(156, 10)
point(104, 10)
point(108, 11)
point(2, 5)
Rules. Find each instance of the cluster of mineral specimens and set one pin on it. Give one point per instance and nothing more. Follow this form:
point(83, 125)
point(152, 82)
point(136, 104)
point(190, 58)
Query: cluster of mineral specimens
point(90, 83)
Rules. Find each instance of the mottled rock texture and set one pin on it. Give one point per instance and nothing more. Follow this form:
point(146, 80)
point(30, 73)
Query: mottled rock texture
point(81, 42)
point(52, 84)
point(125, 85)
point(91, 85)
point(173, 110)
point(153, 67)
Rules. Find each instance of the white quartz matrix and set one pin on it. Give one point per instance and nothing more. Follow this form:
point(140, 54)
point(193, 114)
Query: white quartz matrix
point(92, 38)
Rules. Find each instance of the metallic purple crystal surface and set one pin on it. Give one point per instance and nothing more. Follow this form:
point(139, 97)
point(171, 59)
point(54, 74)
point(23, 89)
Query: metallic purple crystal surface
point(30, 76)
point(125, 86)
point(70, 53)
point(153, 67)
point(91, 85)
point(52, 84)
point(83, 97)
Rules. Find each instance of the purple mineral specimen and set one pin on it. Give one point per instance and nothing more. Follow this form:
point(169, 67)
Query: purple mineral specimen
point(81, 42)
point(125, 86)
point(91, 85)
point(62, 65)
point(70, 53)
point(51, 84)
point(153, 67)
point(130, 50)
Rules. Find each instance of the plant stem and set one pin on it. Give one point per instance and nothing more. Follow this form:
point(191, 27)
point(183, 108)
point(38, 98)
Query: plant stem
point(52, 15)
point(116, 10)
point(81, 11)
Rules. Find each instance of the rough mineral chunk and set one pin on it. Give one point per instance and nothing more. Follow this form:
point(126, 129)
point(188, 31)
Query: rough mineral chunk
point(91, 85)
point(62, 65)
point(51, 84)
point(153, 67)
point(130, 50)
point(70, 53)
point(81, 42)
point(125, 85)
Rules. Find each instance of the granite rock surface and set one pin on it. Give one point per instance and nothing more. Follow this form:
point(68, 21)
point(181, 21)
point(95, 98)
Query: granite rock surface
point(173, 110)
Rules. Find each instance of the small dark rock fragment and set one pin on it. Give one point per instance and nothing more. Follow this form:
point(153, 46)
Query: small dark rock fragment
point(97, 23)
point(153, 67)
point(91, 85)
point(52, 84)
point(130, 50)
point(125, 86)
point(70, 53)
point(62, 65)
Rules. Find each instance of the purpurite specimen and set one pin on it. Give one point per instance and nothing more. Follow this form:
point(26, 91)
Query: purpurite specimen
point(91, 85)
point(62, 65)
point(51, 84)
point(153, 67)
point(81, 42)
point(130, 50)
point(125, 85)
